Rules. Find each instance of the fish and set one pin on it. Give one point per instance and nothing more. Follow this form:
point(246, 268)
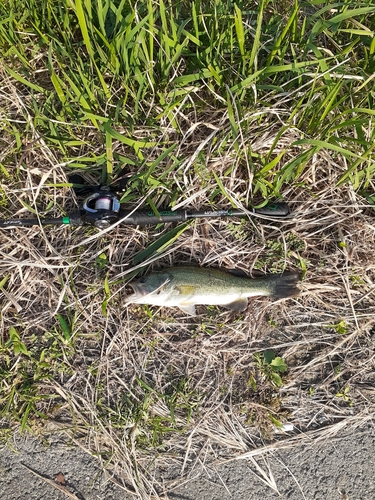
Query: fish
point(185, 287)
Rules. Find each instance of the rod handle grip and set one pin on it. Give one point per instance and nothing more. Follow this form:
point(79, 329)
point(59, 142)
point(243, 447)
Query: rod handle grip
point(145, 217)
point(273, 209)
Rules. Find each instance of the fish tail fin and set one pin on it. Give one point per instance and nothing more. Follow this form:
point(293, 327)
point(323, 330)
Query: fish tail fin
point(284, 285)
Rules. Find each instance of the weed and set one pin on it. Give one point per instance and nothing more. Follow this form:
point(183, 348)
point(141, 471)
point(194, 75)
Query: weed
point(356, 280)
point(344, 394)
point(341, 327)
point(240, 231)
point(272, 367)
point(276, 253)
point(101, 261)
point(149, 415)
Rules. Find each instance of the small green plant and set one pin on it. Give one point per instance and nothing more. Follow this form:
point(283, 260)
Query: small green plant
point(337, 369)
point(151, 414)
point(272, 322)
point(239, 231)
point(271, 366)
point(345, 395)
point(15, 343)
point(341, 327)
point(276, 251)
point(356, 280)
point(208, 329)
point(251, 382)
point(101, 261)
point(275, 421)
point(28, 363)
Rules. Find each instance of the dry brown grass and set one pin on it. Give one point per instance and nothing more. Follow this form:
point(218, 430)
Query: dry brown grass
point(117, 375)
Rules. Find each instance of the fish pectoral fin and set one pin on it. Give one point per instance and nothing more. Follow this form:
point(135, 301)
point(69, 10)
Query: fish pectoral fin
point(188, 309)
point(237, 305)
point(186, 292)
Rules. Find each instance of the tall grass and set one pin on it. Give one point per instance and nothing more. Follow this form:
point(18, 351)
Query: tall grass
point(139, 66)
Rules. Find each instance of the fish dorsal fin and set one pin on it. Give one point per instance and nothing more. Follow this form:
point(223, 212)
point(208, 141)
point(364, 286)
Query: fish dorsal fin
point(238, 305)
point(188, 309)
point(237, 272)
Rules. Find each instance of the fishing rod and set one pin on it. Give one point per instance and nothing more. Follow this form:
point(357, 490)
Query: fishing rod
point(102, 208)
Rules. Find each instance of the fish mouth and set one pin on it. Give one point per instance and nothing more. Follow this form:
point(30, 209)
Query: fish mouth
point(137, 294)
point(141, 291)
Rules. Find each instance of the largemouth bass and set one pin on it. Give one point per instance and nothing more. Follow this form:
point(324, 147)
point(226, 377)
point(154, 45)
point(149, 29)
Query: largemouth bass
point(185, 287)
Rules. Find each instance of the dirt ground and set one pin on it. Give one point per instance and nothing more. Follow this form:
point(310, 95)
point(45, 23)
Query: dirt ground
point(342, 468)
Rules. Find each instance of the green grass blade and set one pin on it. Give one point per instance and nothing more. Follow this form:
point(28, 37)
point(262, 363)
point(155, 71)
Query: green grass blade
point(240, 32)
point(78, 7)
point(161, 243)
point(328, 145)
point(109, 156)
point(285, 31)
point(135, 144)
point(349, 14)
point(22, 80)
